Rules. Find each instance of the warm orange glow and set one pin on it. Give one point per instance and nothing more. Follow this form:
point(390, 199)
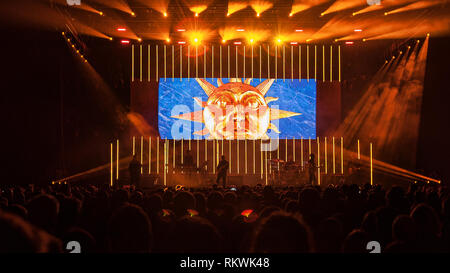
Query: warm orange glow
point(260, 6)
point(198, 9)
point(165, 14)
point(234, 6)
point(246, 212)
point(302, 5)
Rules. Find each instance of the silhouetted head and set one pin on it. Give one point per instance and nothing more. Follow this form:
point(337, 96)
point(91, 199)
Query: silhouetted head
point(130, 230)
point(426, 219)
point(43, 211)
point(222, 157)
point(282, 233)
point(355, 242)
point(182, 201)
point(404, 229)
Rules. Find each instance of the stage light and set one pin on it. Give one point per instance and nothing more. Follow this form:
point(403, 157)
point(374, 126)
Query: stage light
point(401, 52)
point(409, 47)
point(428, 34)
point(308, 40)
point(278, 40)
point(240, 29)
point(251, 41)
point(139, 39)
point(385, 13)
point(294, 43)
point(68, 40)
point(257, 15)
point(168, 40)
point(418, 41)
point(101, 13)
point(85, 61)
point(336, 40)
point(181, 42)
point(133, 14)
point(322, 14)
point(196, 14)
point(181, 29)
point(299, 30)
point(386, 61)
point(228, 14)
point(63, 33)
point(78, 51)
point(363, 40)
point(290, 14)
point(393, 57)
point(195, 40)
point(73, 46)
point(121, 29)
point(357, 30)
point(124, 42)
point(349, 43)
point(237, 43)
point(110, 38)
point(224, 41)
point(165, 14)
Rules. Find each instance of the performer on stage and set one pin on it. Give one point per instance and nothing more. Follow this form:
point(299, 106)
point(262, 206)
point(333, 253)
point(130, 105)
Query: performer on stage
point(135, 171)
point(188, 165)
point(222, 169)
point(312, 169)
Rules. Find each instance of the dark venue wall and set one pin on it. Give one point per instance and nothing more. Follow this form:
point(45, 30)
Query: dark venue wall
point(57, 119)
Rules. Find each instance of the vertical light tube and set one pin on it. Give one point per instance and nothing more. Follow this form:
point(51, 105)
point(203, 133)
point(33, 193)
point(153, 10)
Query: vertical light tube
point(342, 155)
point(204, 61)
point(140, 62)
point(315, 62)
point(359, 154)
point(212, 61)
point(181, 62)
point(132, 63)
point(286, 150)
point(206, 152)
point(265, 164)
point(309, 146)
point(156, 61)
point(157, 155)
point(278, 153)
point(276, 63)
point(222, 147)
point(301, 152)
point(371, 165)
point(182, 150)
point(268, 63)
point(189, 142)
point(243, 63)
point(228, 62)
point(252, 62)
point(293, 148)
point(149, 155)
point(165, 65)
point(148, 63)
point(299, 62)
point(165, 161)
point(331, 63)
point(198, 153)
point(284, 65)
point(173, 63)
point(237, 153)
point(245, 156)
point(323, 63)
point(260, 62)
point(339, 53)
point(326, 157)
point(220, 61)
point(117, 160)
point(134, 145)
point(214, 155)
point(142, 154)
point(189, 62)
point(334, 158)
point(229, 154)
point(173, 155)
point(196, 61)
point(307, 63)
point(112, 166)
point(262, 161)
point(236, 74)
point(318, 160)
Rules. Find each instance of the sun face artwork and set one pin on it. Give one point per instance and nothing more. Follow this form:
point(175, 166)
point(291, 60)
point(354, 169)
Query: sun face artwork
point(236, 110)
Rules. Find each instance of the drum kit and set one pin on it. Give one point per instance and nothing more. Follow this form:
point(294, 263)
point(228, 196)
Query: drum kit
point(282, 172)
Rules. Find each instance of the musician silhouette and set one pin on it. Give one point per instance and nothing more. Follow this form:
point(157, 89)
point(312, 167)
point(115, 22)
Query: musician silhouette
point(222, 169)
point(312, 169)
point(188, 165)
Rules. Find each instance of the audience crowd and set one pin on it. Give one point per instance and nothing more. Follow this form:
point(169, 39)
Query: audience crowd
point(261, 219)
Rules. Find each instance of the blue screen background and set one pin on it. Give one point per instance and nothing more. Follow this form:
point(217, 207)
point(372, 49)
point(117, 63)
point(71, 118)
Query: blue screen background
point(295, 96)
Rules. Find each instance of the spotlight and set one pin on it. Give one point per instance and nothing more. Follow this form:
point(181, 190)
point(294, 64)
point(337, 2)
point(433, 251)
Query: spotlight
point(363, 40)
point(401, 52)
point(110, 38)
point(290, 14)
point(133, 14)
point(354, 13)
point(85, 61)
point(224, 41)
point(240, 29)
point(196, 40)
point(386, 62)
point(63, 33)
point(73, 46)
point(196, 14)
point(299, 30)
point(228, 14)
point(294, 43)
point(358, 30)
point(68, 40)
point(385, 13)
point(181, 30)
point(251, 41)
point(124, 42)
point(168, 40)
point(139, 39)
point(418, 41)
point(257, 15)
point(237, 43)
point(279, 40)
point(78, 51)
point(101, 13)
point(165, 14)
point(121, 29)
point(181, 42)
point(349, 43)
point(322, 14)
point(393, 57)
point(409, 47)
point(308, 40)
point(428, 34)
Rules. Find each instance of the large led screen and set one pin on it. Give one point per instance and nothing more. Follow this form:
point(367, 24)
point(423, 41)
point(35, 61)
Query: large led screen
point(236, 108)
